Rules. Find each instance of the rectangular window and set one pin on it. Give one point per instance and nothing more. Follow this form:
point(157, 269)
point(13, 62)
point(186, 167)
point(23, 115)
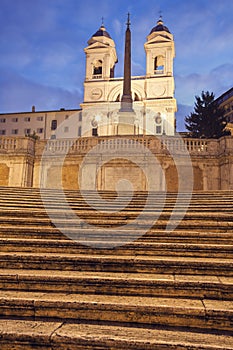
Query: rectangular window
point(27, 119)
point(2, 120)
point(80, 117)
point(40, 131)
point(54, 124)
point(66, 129)
point(15, 120)
point(2, 132)
point(158, 129)
point(94, 132)
point(79, 131)
point(27, 131)
point(40, 119)
point(14, 131)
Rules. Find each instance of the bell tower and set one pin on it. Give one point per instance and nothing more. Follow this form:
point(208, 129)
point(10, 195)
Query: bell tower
point(101, 58)
point(160, 53)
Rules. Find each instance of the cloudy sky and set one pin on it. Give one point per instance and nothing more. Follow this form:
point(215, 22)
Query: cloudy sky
point(42, 62)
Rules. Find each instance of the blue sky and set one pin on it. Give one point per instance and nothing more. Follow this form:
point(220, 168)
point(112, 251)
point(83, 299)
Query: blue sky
point(42, 62)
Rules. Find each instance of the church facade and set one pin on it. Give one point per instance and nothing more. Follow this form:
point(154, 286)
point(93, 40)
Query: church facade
point(153, 94)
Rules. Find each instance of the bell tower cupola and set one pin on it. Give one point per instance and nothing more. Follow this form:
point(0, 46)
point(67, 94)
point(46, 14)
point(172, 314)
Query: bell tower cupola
point(101, 56)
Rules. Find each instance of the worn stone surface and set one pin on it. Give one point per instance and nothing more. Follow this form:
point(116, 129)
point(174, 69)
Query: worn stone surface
point(55, 335)
point(166, 290)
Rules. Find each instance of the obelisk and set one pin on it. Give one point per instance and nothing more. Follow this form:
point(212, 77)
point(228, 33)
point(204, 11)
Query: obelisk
point(126, 114)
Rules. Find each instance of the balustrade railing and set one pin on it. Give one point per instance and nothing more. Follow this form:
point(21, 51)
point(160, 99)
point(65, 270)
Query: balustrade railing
point(81, 145)
point(8, 143)
point(155, 144)
point(17, 144)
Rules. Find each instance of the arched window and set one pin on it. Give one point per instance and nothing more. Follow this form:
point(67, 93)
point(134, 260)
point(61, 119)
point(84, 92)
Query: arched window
point(97, 70)
point(158, 123)
point(159, 64)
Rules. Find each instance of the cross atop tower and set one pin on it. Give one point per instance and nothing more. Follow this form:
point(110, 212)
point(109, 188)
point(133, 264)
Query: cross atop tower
point(128, 21)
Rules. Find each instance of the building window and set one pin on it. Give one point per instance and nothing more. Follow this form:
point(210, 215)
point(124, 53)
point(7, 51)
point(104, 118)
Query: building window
point(54, 124)
point(66, 129)
point(27, 119)
point(40, 119)
point(14, 120)
point(53, 137)
point(158, 123)
point(94, 132)
point(159, 65)
point(158, 129)
point(80, 117)
point(2, 120)
point(27, 131)
point(2, 132)
point(79, 131)
point(40, 131)
point(97, 70)
point(14, 131)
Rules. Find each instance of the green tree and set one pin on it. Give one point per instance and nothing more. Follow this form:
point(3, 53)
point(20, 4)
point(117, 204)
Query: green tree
point(207, 120)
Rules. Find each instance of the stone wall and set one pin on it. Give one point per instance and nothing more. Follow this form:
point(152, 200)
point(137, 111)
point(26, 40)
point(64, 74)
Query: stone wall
point(16, 161)
point(147, 162)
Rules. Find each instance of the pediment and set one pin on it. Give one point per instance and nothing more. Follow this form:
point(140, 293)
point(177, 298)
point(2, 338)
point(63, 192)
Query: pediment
point(159, 39)
point(97, 45)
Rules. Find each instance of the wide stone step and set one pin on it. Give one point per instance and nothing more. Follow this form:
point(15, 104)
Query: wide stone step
point(195, 313)
point(153, 235)
point(130, 263)
point(217, 226)
point(41, 213)
point(28, 335)
point(140, 284)
point(138, 248)
point(112, 194)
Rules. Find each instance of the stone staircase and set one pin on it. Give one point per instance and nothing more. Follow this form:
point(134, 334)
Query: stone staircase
point(165, 290)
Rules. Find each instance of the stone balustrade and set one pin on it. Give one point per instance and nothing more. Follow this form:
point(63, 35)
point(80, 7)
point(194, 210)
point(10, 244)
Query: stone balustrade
point(17, 145)
point(156, 145)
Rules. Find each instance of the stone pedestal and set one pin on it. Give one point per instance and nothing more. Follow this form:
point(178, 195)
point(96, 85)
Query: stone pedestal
point(126, 123)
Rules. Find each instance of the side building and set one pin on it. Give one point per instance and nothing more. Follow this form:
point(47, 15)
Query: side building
point(43, 124)
point(226, 102)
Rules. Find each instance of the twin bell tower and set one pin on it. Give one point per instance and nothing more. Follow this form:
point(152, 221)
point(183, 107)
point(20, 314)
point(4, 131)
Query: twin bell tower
point(132, 105)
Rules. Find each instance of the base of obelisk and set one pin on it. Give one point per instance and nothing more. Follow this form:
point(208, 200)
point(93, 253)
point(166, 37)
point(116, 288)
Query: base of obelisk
point(126, 123)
